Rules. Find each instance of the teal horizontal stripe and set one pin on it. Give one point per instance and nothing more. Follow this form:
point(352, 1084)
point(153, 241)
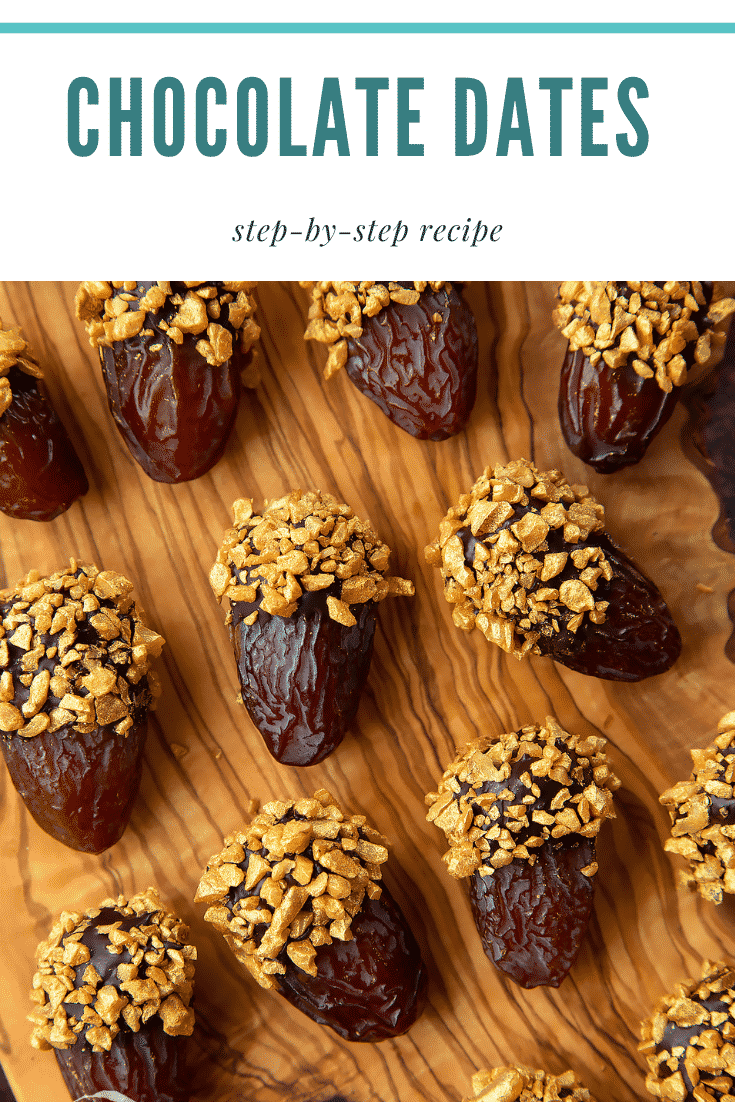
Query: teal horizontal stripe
point(367, 28)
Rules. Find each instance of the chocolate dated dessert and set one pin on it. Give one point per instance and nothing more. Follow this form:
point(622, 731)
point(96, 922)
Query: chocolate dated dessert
point(702, 811)
point(688, 1039)
point(40, 472)
point(113, 991)
point(75, 689)
point(526, 559)
point(298, 896)
point(411, 347)
point(521, 814)
point(174, 356)
point(303, 579)
point(518, 1083)
point(631, 346)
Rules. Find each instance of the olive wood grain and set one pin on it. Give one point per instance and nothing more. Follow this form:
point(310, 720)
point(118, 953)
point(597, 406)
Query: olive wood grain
point(431, 687)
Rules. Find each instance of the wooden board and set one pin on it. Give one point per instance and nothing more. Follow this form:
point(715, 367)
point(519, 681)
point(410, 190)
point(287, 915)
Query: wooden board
point(431, 687)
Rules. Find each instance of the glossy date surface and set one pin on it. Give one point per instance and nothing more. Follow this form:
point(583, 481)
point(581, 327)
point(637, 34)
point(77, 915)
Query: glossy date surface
point(421, 372)
point(301, 676)
point(40, 472)
point(532, 918)
point(174, 411)
point(370, 988)
point(610, 417)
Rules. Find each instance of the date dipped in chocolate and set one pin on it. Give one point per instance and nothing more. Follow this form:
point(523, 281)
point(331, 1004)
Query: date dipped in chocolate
point(174, 357)
point(525, 557)
point(631, 346)
point(521, 814)
point(40, 473)
point(687, 1040)
point(702, 811)
point(298, 896)
point(303, 579)
point(410, 347)
point(75, 690)
point(113, 991)
point(518, 1083)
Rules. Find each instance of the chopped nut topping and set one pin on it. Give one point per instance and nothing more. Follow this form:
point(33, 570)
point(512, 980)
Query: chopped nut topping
point(290, 881)
point(103, 972)
point(337, 310)
point(702, 812)
point(653, 322)
point(521, 1084)
point(688, 1039)
point(501, 798)
point(51, 678)
point(303, 542)
point(14, 352)
point(211, 311)
point(516, 530)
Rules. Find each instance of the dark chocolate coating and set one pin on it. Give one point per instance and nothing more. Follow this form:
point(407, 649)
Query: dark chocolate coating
point(80, 788)
point(147, 1066)
point(532, 918)
point(174, 411)
point(301, 676)
point(638, 638)
point(40, 472)
point(421, 373)
point(367, 989)
point(610, 417)
point(680, 1035)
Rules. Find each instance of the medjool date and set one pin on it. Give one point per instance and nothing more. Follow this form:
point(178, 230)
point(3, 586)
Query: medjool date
point(40, 472)
point(172, 355)
point(302, 619)
point(298, 897)
point(521, 814)
point(526, 559)
point(123, 1023)
point(76, 689)
point(631, 345)
point(409, 347)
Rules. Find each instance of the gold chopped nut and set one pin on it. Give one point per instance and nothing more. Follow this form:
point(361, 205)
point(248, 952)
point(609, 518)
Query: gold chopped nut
point(110, 999)
point(687, 1040)
point(219, 309)
point(14, 352)
point(97, 682)
point(701, 810)
point(652, 321)
point(337, 310)
point(522, 1084)
point(491, 808)
point(288, 901)
point(328, 548)
point(516, 530)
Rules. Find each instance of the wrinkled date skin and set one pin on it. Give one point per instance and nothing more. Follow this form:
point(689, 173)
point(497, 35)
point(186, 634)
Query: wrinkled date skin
point(420, 372)
point(301, 676)
point(610, 417)
point(174, 411)
point(80, 788)
point(40, 472)
point(532, 918)
point(639, 639)
point(147, 1066)
point(144, 1066)
point(367, 989)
